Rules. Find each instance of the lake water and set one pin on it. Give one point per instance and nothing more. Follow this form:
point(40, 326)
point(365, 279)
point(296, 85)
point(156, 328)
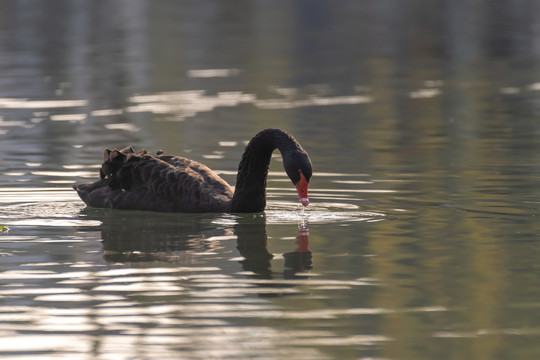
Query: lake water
point(422, 237)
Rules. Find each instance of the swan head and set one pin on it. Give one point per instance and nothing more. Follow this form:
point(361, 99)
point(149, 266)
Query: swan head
point(298, 168)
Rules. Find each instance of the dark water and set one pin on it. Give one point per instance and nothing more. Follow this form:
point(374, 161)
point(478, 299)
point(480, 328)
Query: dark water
point(421, 240)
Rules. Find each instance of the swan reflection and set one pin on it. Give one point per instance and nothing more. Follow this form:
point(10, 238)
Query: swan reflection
point(299, 261)
point(142, 237)
point(252, 243)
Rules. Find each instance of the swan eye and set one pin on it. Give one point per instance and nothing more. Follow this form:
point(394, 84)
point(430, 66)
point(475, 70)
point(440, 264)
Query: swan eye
point(302, 174)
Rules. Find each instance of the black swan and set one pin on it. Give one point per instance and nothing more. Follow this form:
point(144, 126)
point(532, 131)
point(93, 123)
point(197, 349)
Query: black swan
point(176, 184)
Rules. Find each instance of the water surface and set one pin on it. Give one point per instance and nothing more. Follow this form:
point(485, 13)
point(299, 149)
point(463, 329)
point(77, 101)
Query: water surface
point(421, 239)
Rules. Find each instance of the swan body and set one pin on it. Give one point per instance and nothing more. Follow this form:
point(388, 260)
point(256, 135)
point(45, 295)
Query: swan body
point(167, 183)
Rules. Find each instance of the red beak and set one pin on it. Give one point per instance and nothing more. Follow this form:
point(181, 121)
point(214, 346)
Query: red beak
point(302, 188)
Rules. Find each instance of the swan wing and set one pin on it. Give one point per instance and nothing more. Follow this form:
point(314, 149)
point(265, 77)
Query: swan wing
point(162, 183)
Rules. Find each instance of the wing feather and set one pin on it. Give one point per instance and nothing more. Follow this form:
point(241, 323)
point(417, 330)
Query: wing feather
point(162, 183)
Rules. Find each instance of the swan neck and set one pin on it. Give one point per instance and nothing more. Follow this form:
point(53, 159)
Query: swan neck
point(250, 188)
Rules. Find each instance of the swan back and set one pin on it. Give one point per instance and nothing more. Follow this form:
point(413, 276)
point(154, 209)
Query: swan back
point(156, 183)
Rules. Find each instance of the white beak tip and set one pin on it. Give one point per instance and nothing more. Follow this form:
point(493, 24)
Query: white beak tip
point(304, 201)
